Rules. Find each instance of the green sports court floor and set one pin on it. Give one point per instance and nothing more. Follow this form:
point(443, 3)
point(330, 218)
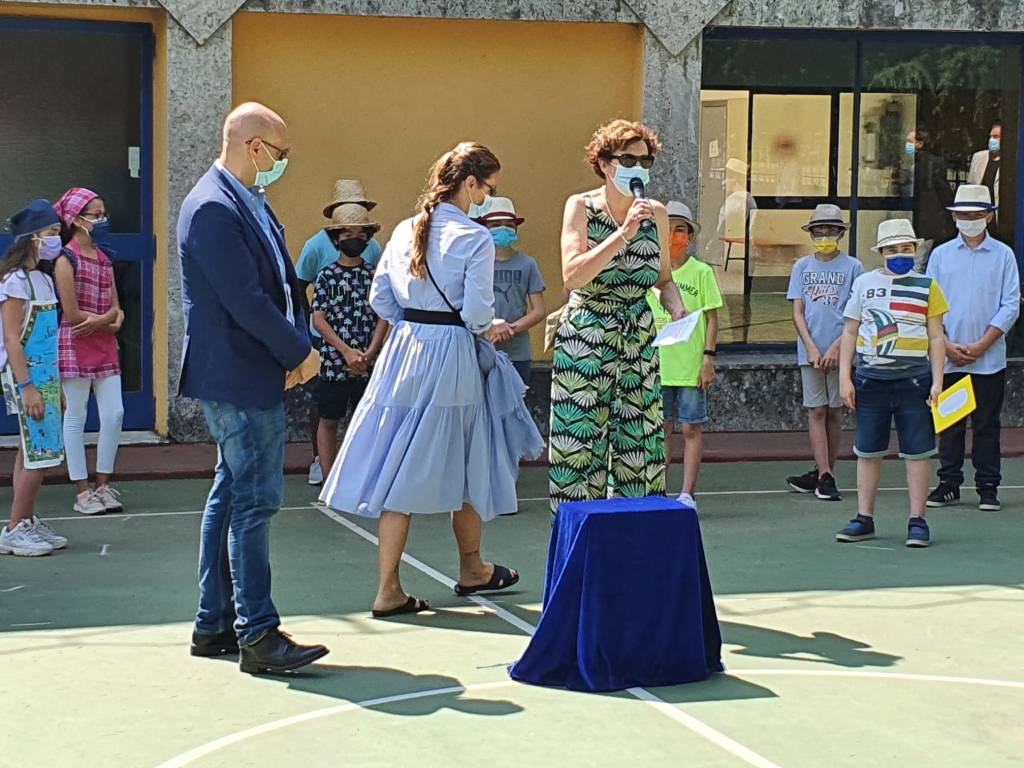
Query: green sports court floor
point(837, 655)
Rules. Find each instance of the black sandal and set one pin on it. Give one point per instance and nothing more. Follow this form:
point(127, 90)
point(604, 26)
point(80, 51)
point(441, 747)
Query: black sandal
point(412, 605)
point(502, 578)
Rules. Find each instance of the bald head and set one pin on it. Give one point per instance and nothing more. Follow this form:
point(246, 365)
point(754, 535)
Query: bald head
point(247, 131)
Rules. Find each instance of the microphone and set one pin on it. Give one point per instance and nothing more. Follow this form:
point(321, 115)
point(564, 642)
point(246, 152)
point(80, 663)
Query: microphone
point(636, 186)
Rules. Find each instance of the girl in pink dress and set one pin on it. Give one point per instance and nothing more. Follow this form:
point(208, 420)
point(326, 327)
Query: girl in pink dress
point(89, 360)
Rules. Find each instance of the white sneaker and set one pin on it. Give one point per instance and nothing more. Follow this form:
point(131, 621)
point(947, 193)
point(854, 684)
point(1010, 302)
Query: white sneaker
point(24, 541)
point(316, 472)
point(89, 503)
point(48, 534)
point(687, 500)
point(111, 498)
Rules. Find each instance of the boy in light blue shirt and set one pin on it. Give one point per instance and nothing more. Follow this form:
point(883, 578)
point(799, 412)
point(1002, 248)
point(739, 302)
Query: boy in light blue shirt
point(320, 251)
point(981, 281)
point(819, 288)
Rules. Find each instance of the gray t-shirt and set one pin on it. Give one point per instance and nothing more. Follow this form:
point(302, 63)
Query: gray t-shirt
point(514, 280)
point(824, 287)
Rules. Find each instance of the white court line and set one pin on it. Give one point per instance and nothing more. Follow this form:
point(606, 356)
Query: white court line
point(13, 589)
point(877, 676)
point(104, 550)
point(34, 624)
point(693, 724)
point(187, 758)
point(175, 513)
point(785, 491)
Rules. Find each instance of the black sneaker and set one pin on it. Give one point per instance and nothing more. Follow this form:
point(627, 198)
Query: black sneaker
point(805, 483)
point(989, 499)
point(826, 489)
point(944, 495)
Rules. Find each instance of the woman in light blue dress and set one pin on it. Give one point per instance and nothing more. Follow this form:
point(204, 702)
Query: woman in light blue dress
point(420, 439)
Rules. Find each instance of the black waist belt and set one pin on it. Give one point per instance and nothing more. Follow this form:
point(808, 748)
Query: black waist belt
point(427, 317)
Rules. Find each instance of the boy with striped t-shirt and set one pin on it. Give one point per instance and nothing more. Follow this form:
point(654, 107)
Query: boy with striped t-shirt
point(894, 324)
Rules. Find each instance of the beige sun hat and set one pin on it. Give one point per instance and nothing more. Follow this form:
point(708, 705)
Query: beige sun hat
point(896, 232)
point(678, 210)
point(352, 215)
point(826, 215)
point(348, 191)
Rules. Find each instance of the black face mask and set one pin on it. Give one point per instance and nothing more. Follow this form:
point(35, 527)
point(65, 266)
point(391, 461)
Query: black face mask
point(353, 247)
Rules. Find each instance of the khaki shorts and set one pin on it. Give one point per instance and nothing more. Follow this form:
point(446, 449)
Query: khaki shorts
point(820, 388)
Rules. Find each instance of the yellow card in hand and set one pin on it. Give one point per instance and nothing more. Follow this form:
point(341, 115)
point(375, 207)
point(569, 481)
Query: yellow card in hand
point(954, 404)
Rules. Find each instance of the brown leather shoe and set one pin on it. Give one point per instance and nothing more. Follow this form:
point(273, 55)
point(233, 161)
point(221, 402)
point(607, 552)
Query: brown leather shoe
point(276, 652)
point(214, 645)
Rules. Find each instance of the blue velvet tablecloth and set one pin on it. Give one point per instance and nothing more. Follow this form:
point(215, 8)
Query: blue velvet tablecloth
point(627, 600)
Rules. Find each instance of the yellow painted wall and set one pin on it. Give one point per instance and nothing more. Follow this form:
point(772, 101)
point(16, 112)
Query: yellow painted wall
point(380, 99)
point(157, 18)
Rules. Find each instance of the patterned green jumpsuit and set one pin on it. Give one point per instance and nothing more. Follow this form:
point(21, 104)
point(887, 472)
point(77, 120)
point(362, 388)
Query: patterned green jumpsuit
point(606, 435)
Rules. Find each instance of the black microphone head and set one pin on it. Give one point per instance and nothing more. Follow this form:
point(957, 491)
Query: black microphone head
point(636, 186)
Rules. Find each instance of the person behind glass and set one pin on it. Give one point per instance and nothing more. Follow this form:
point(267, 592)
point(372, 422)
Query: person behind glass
point(819, 288)
point(418, 443)
point(688, 368)
point(925, 183)
point(985, 163)
point(30, 372)
point(246, 342)
point(607, 434)
point(894, 325)
point(318, 252)
point(979, 276)
point(89, 359)
point(518, 285)
point(353, 334)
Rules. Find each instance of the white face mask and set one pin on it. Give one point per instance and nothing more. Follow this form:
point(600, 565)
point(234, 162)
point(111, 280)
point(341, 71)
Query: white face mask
point(971, 227)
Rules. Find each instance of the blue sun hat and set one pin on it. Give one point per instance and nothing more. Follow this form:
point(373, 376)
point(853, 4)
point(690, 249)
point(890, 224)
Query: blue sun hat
point(34, 217)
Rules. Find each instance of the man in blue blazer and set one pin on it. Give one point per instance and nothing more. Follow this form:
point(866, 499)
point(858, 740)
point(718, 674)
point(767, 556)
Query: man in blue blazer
point(245, 343)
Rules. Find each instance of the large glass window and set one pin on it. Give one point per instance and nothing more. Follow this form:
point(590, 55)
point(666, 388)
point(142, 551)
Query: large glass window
point(884, 127)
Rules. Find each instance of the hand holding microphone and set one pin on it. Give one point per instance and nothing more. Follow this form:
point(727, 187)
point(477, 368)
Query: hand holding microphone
point(639, 214)
point(636, 187)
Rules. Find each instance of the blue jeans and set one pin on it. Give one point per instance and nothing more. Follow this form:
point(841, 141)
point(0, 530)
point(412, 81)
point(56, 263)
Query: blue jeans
point(905, 401)
point(234, 554)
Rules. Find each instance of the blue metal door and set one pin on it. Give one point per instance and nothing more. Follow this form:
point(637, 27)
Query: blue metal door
point(78, 107)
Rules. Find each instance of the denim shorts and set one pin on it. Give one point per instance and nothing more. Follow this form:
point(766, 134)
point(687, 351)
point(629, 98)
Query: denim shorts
point(879, 402)
point(685, 405)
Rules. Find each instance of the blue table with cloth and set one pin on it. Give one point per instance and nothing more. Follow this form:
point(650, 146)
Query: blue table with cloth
point(627, 599)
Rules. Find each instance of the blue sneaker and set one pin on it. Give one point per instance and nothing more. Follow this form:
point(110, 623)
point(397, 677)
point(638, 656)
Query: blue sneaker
point(917, 533)
point(861, 528)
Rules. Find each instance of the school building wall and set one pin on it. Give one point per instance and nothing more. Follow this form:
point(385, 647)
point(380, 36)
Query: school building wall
point(379, 98)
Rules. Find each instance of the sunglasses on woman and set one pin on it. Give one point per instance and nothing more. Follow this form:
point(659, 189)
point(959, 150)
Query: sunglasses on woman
point(628, 161)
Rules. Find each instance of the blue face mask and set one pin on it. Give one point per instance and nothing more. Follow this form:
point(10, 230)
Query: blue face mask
point(910, 148)
point(623, 176)
point(993, 144)
point(504, 237)
point(899, 265)
point(266, 178)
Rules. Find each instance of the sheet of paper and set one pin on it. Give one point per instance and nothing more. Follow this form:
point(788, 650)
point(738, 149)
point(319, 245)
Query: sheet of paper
point(678, 331)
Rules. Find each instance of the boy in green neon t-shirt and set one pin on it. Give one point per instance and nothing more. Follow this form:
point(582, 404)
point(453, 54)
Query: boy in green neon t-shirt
point(687, 369)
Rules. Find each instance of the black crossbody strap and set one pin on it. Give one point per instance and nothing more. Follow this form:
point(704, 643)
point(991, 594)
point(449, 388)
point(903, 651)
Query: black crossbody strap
point(443, 296)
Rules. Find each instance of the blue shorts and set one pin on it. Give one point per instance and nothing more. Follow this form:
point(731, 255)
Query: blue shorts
point(879, 402)
point(685, 405)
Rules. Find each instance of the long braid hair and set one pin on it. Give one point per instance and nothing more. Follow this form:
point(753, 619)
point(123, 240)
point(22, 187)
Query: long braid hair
point(447, 175)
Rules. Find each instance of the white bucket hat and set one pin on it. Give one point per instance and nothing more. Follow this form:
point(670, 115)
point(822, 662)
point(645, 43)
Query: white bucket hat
point(826, 215)
point(499, 209)
point(896, 232)
point(677, 210)
point(972, 197)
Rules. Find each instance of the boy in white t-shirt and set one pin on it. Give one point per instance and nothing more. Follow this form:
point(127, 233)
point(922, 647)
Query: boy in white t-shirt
point(894, 326)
